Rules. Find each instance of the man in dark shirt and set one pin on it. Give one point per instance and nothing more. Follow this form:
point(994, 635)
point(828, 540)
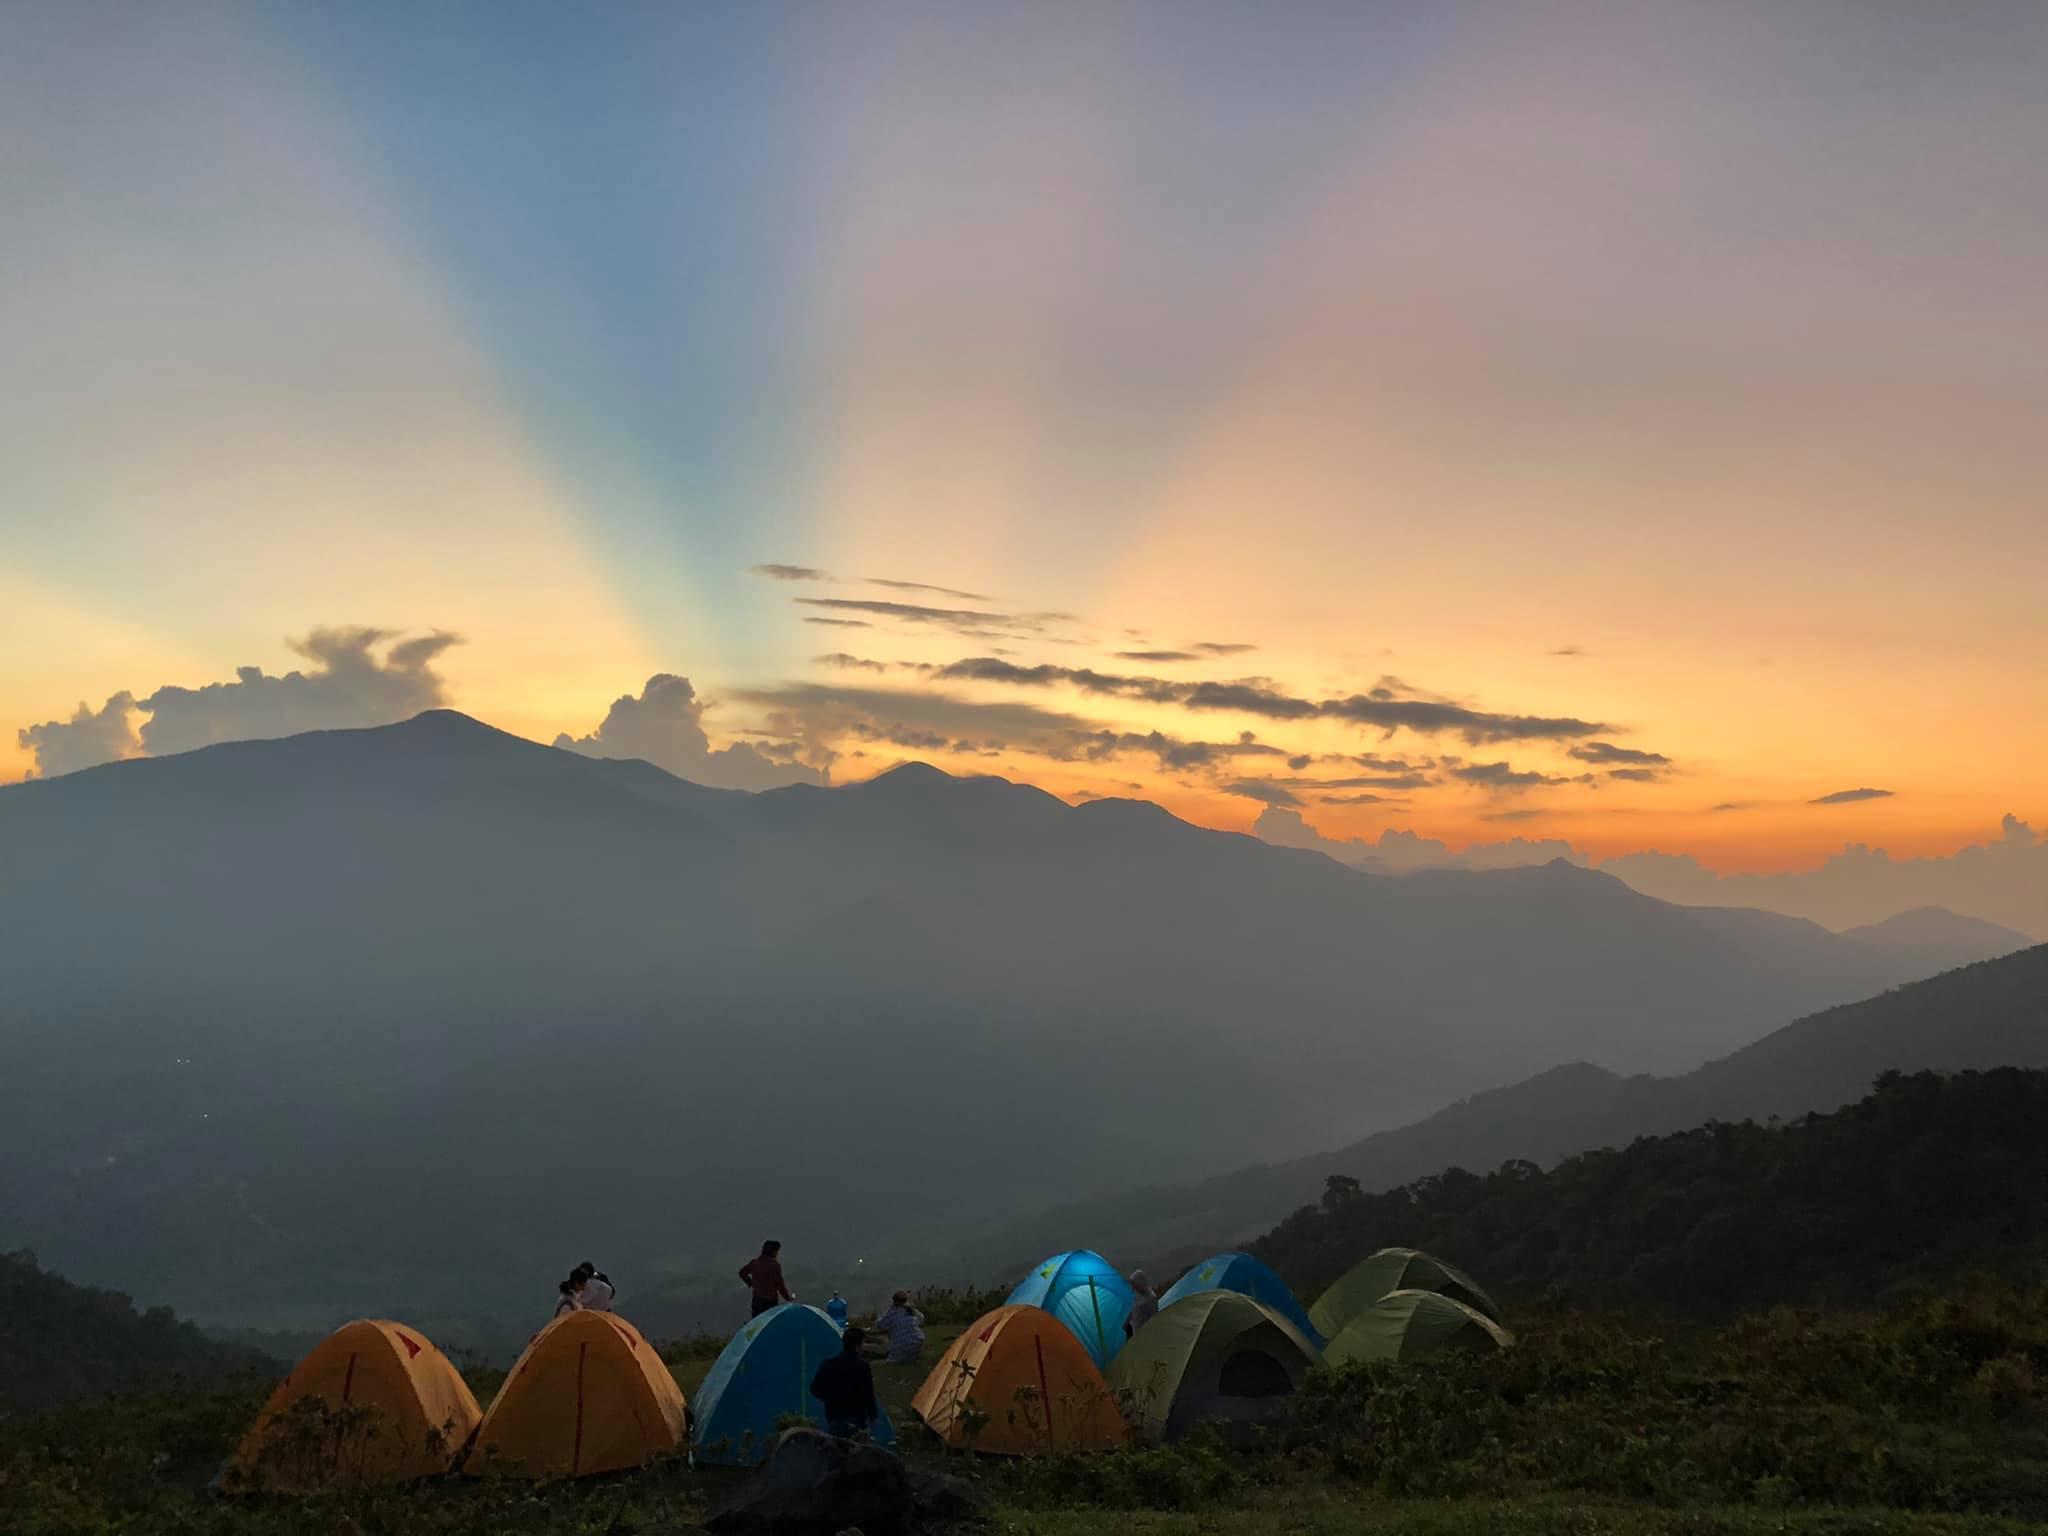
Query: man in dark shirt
point(846, 1387)
point(763, 1274)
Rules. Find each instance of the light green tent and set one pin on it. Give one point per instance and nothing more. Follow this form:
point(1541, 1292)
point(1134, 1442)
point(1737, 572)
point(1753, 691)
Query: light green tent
point(1412, 1325)
point(1216, 1357)
point(1393, 1269)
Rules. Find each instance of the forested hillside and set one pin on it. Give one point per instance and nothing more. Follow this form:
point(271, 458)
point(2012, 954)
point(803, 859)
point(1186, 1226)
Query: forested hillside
point(63, 1343)
point(1925, 1178)
point(1991, 1014)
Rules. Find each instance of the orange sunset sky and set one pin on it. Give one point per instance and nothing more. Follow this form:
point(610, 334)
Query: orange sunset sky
point(1614, 424)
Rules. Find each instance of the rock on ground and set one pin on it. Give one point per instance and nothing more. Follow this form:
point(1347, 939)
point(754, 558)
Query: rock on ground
point(815, 1485)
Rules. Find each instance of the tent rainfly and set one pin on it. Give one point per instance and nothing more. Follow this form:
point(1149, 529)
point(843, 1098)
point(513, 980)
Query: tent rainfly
point(1393, 1269)
point(1413, 1325)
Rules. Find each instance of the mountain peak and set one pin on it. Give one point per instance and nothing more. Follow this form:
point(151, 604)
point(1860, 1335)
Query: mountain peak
point(907, 775)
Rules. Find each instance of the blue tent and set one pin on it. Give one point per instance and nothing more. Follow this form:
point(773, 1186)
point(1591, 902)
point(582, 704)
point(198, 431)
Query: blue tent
point(1242, 1273)
point(1084, 1291)
point(763, 1375)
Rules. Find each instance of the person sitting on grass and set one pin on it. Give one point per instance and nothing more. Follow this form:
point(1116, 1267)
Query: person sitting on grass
point(903, 1326)
point(846, 1386)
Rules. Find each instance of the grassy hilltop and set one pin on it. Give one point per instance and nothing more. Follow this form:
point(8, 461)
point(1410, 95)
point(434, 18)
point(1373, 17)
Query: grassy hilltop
point(1740, 1329)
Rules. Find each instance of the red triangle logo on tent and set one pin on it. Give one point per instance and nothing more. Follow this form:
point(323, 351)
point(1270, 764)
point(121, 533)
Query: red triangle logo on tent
point(412, 1347)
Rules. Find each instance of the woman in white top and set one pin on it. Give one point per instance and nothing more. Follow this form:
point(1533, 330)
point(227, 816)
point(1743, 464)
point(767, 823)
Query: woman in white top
point(596, 1293)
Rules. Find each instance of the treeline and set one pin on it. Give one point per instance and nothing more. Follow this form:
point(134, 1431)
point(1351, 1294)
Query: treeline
point(1926, 1178)
point(63, 1343)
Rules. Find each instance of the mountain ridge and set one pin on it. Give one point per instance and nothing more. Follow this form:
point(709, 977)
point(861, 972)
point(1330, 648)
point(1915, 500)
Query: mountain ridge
point(270, 979)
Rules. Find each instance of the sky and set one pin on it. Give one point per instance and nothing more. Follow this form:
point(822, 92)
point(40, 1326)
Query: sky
point(1616, 424)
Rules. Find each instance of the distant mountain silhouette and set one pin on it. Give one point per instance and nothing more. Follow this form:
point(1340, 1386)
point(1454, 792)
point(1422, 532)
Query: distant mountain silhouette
point(1987, 1015)
point(1934, 939)
point(293, 1028)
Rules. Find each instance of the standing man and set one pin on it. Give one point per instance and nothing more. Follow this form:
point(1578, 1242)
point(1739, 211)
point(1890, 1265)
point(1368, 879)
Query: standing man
point(763, 1275)
point(845, 1387)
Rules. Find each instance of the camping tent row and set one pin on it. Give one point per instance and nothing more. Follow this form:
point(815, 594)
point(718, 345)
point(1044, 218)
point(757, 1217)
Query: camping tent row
point(1228, 1345)
point(376, 1402)
point(1084, 1291)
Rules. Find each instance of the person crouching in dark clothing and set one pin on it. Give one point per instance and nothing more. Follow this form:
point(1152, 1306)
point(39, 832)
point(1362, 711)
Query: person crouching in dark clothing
point(846, 1386)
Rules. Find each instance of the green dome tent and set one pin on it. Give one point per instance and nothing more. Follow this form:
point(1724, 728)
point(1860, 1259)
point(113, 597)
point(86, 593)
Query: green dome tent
point(1412, 1325)
point(1215, 1357)
point(1389, 1270)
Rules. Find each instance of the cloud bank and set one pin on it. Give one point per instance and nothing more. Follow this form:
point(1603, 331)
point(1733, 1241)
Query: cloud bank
point(1386, 707)
point(349, 685)
point(664, 725)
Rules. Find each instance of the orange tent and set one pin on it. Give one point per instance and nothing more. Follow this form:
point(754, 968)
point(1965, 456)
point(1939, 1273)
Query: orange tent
point(1019, 1382)
point(374, 1402)
point(589, 1395)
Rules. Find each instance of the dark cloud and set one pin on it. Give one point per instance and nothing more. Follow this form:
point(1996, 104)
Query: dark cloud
point(1607, 752)
point(664, 725)
point(920, 586)
point(1359, 800)
point(1850, 796)
point(839, 623)
point(1378, 781)
point(1375, 763)
point(1512, 816)
point(349, 685)
point(1731, 805)
point(1249, 699)
point(905, 736)
point(969, 623)
point(820, 714)
point(1170, 751)
point(848, 663)
point(1158, 656)
point(789, 572)
point(1568, 650)
point(915, 613)
point(1477, 727)
point(1501, 776)
point(1300, 761)
point(1636, 775)
point(86, 740)
point(1383, 707)
point(1222, 648)
point(1264, 791)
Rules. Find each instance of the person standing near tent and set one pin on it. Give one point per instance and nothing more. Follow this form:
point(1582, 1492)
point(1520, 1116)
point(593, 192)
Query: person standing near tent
point(836, 1309)
point(597, 1290)
point(763, 1275)
point(846, 1387)
point(903, 1326)
point(1144, 1303)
